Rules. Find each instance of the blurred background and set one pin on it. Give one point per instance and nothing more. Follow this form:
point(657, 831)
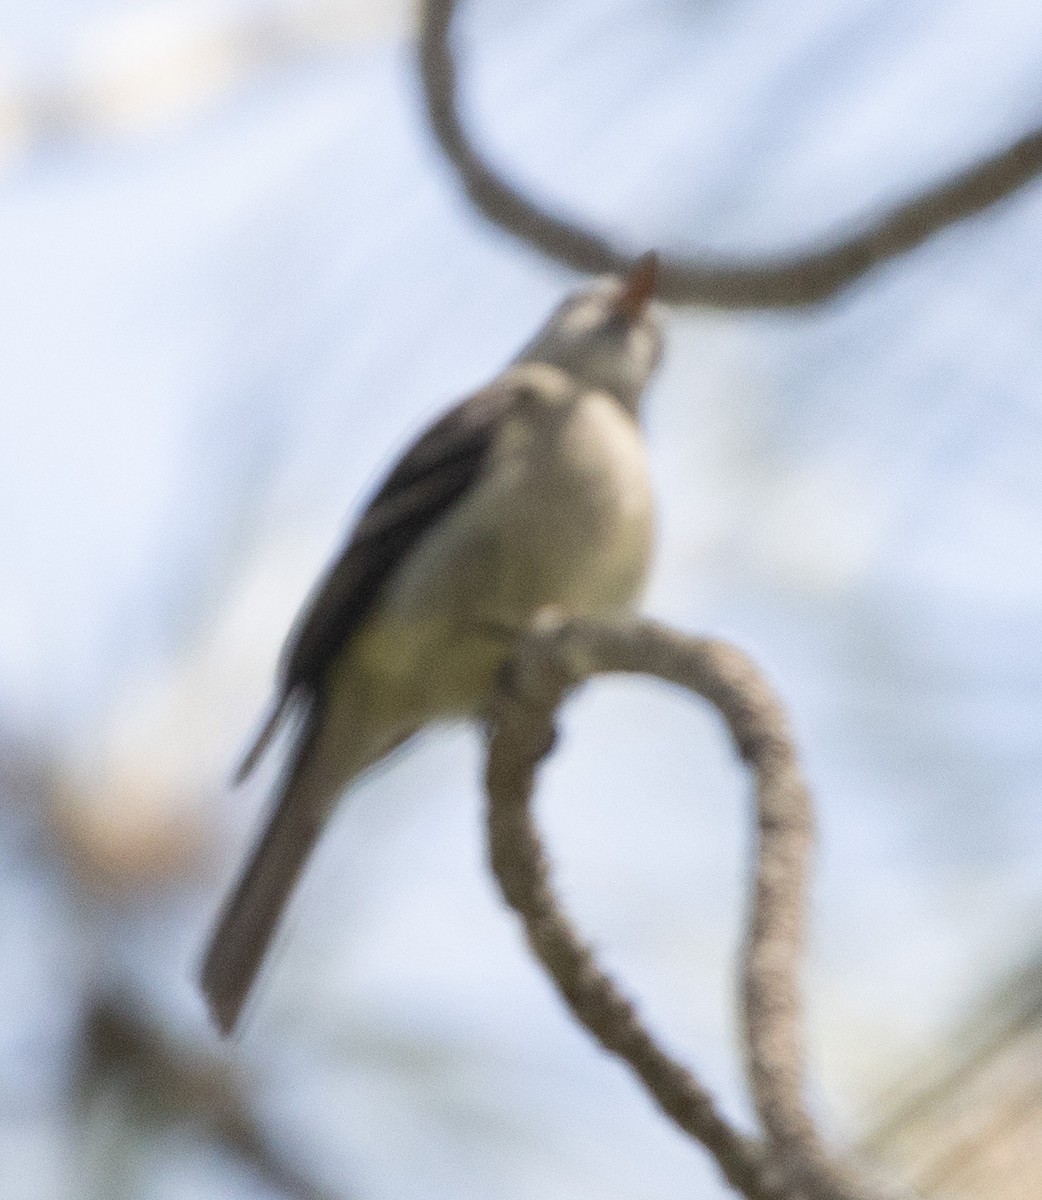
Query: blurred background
point(236, 275)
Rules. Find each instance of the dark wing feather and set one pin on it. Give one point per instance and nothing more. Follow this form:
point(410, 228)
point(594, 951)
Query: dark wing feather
point(434, 473)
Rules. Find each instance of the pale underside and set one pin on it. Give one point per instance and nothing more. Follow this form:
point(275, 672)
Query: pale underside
point(559, 522)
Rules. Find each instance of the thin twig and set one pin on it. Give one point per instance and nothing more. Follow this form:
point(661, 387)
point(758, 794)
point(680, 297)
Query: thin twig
point(162, 1078)
point(790, 1162)
point(786, 281)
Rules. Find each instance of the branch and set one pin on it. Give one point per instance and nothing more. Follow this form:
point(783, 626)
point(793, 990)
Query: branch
point(790, 1162)
point(166, 1078)
point(783, 282)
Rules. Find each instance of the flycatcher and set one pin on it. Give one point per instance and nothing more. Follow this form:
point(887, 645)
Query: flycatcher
point(530, 497)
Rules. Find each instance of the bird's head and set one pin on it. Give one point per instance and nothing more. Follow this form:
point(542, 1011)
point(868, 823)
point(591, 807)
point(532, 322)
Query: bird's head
point(606, 336)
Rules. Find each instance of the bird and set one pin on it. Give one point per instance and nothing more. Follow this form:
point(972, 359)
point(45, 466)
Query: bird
point(530, 500)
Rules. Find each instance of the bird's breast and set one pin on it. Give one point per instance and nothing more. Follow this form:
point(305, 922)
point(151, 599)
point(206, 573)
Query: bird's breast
point(561, 518)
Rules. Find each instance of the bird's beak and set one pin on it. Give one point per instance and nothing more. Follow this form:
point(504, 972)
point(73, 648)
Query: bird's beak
point(638, 287)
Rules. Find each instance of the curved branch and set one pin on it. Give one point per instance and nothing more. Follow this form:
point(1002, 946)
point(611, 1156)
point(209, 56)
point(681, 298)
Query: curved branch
point(782, 282)
point(791, 1162)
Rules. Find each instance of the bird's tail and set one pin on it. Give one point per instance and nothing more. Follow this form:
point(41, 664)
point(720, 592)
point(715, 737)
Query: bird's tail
point(253, 908)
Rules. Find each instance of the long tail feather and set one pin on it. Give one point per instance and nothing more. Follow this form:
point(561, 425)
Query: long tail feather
point(251, 913)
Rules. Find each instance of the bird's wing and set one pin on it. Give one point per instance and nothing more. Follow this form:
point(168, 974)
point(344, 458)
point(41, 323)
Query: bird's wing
point(433, 473)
